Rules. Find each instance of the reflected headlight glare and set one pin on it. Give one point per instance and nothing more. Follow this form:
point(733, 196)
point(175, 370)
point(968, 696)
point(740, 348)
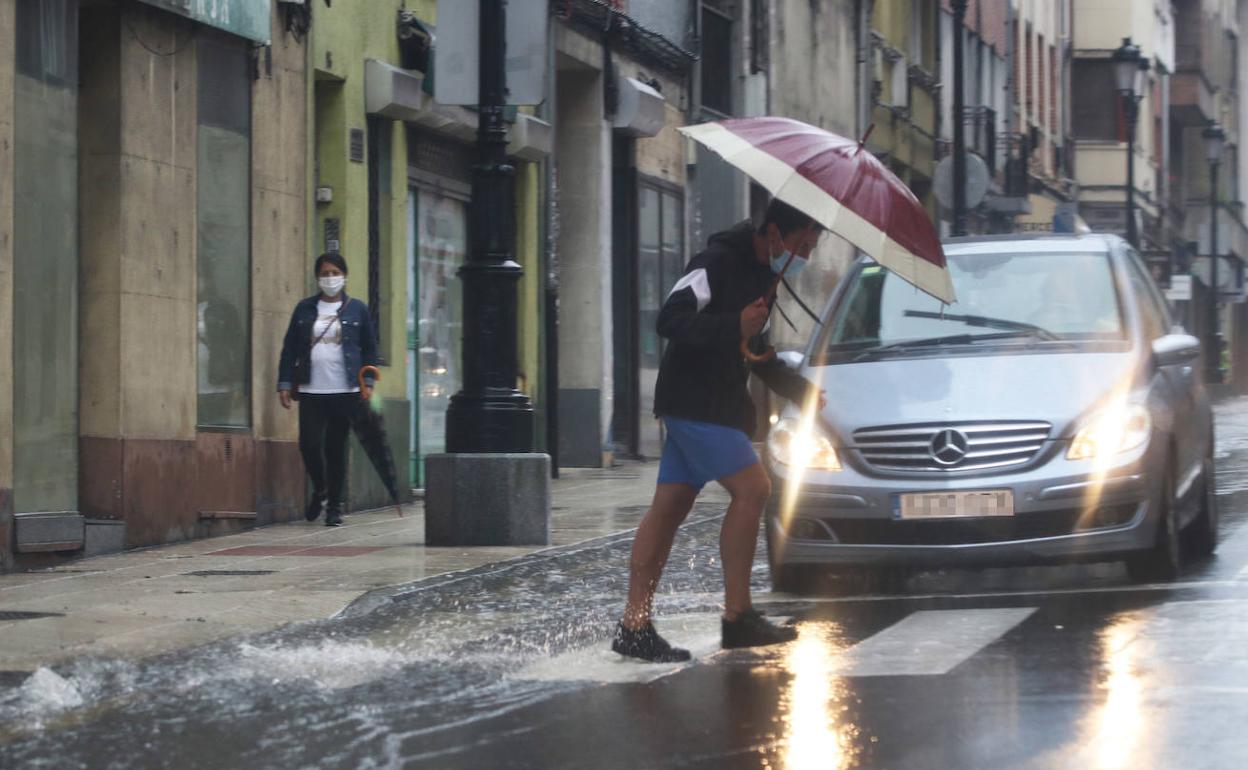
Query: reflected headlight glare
point(798, 444)
point(1112, 431)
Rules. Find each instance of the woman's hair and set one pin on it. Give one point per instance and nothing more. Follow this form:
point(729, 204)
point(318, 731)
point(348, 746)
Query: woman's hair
point(332, 258)
point(785, 217)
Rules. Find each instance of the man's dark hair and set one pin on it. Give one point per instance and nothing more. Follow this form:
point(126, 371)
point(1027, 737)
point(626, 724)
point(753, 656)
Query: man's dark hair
point(332, 258)
point(786, 218)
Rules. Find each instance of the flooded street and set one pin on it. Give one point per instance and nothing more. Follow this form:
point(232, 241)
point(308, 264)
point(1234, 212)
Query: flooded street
point(507, 666)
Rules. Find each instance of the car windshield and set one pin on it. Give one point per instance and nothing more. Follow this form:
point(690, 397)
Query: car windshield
point(1065, 297)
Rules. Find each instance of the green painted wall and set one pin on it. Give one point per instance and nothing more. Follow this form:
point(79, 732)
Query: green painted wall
point(344, 35)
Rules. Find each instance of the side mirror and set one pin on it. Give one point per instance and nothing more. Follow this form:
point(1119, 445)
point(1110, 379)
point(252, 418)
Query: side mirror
point(1174, 349)
point(792, 359)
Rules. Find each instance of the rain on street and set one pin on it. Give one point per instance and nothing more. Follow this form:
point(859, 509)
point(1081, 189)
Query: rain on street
point(507, 666)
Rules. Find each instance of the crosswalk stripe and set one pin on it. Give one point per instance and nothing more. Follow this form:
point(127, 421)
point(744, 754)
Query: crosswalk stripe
point(929, 642)
point(924, 643)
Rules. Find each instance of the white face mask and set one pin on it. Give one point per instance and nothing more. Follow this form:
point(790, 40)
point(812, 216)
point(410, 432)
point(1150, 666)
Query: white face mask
point(332, 284)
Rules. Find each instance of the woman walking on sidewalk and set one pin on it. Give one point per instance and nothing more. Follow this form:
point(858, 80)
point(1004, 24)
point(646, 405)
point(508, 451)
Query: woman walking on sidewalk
point(329, 339)
point(702, 398)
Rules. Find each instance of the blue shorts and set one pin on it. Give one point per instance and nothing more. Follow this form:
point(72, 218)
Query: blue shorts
point(698, 452)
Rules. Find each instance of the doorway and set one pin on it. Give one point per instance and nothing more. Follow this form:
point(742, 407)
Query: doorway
point(649, 259)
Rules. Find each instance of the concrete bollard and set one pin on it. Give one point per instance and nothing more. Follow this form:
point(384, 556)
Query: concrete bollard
point(487, 499)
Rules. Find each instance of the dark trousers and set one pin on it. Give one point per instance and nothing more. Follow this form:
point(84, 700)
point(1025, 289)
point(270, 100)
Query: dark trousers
point(324, 422)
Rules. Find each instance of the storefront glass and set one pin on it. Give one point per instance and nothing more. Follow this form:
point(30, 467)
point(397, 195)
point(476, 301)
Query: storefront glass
point(224, 227)
point(435, 309)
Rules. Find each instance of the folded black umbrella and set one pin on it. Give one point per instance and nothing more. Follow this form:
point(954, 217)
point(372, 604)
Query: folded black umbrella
point(370, 429)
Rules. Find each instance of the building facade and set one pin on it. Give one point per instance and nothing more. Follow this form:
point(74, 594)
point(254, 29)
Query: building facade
point(618, 218)
point(152, 225)
point(901, 78)
point(1101, 134)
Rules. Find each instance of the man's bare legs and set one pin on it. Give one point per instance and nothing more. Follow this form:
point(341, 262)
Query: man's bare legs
point(651, 547)
point(738, 537)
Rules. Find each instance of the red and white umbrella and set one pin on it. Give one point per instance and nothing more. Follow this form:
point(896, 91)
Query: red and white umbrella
point(842, 186)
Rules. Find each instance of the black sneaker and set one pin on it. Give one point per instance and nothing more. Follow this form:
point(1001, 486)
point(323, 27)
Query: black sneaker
point(315, 506)
point(333, 515)
point(751, 629)
point(646, 644)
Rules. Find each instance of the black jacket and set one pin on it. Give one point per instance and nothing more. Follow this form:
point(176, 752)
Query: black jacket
point(703, 375)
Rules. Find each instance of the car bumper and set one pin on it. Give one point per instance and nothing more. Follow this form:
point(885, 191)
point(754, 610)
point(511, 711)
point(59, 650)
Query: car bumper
point(1063, 512)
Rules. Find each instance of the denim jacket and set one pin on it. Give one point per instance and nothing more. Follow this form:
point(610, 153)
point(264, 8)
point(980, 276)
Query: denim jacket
point(359, 341)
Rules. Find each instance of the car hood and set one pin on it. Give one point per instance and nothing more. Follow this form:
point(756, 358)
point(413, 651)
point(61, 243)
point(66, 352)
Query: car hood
point(1056, 388)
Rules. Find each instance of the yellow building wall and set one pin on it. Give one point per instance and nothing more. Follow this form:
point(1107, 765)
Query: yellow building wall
point(345, 35)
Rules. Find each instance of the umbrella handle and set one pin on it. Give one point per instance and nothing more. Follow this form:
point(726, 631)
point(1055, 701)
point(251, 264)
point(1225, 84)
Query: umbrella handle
point(770, 352)
point(366, 391)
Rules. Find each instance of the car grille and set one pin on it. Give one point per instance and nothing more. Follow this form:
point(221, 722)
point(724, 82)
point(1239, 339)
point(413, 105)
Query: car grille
point(973, 531)
point(946, 447)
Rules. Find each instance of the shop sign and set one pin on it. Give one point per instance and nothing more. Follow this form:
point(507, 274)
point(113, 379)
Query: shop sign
point(245, 18)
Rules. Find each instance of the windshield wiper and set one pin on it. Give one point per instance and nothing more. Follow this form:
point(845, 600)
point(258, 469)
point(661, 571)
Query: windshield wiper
point(986, 321)
point(952, 339)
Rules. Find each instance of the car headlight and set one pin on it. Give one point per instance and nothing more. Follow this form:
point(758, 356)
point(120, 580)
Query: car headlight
point(798, 444)
point(1112, 431)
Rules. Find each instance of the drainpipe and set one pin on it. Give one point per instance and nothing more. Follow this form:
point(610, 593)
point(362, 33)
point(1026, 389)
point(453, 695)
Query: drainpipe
point(549, 235)
point(863, 9)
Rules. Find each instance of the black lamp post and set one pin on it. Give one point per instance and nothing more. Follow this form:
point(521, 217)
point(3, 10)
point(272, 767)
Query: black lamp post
point(959, 130)
point(1130, 69)
point(1215, 137)
point(489, 414)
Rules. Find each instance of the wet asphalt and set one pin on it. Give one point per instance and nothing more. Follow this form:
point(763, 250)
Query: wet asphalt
point(506, 667)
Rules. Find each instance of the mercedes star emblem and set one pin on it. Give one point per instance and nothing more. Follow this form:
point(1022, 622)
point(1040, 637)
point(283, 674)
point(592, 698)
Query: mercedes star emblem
point(949, 447)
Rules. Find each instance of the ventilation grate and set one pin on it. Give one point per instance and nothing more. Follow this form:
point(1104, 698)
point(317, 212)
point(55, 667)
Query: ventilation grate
point(22, 615)
point(230, 572)
point(357, 145)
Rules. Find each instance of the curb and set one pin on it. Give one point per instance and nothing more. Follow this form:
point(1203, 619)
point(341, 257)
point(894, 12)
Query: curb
point(380, 597)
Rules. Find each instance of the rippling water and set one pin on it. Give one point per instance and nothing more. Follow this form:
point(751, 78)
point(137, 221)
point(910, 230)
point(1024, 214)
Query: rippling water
point(370, 691)
point(1231, 452)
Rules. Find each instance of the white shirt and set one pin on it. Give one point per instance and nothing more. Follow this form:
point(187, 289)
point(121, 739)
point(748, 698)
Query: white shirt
point(329, 369)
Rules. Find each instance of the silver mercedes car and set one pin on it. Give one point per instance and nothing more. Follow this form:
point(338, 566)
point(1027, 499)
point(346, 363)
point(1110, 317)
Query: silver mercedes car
point(1054, 414)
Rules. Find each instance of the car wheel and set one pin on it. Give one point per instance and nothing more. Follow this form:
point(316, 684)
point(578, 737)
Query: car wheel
point(1162, 562)
point(1203, 531)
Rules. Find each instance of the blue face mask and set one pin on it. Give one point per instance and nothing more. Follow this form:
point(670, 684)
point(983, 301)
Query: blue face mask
point(795, 267)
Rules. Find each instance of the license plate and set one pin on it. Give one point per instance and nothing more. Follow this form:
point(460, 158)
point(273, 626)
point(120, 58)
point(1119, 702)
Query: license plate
point(955, 505)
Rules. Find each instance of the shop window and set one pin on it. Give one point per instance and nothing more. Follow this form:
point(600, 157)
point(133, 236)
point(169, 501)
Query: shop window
point(223, 216)
point(438, 248)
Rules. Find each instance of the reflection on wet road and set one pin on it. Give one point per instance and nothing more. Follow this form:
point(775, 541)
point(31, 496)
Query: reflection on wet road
point(1062, 667)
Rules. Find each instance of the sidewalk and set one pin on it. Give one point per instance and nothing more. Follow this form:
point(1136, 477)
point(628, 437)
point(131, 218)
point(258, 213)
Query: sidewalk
point(158, 599)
